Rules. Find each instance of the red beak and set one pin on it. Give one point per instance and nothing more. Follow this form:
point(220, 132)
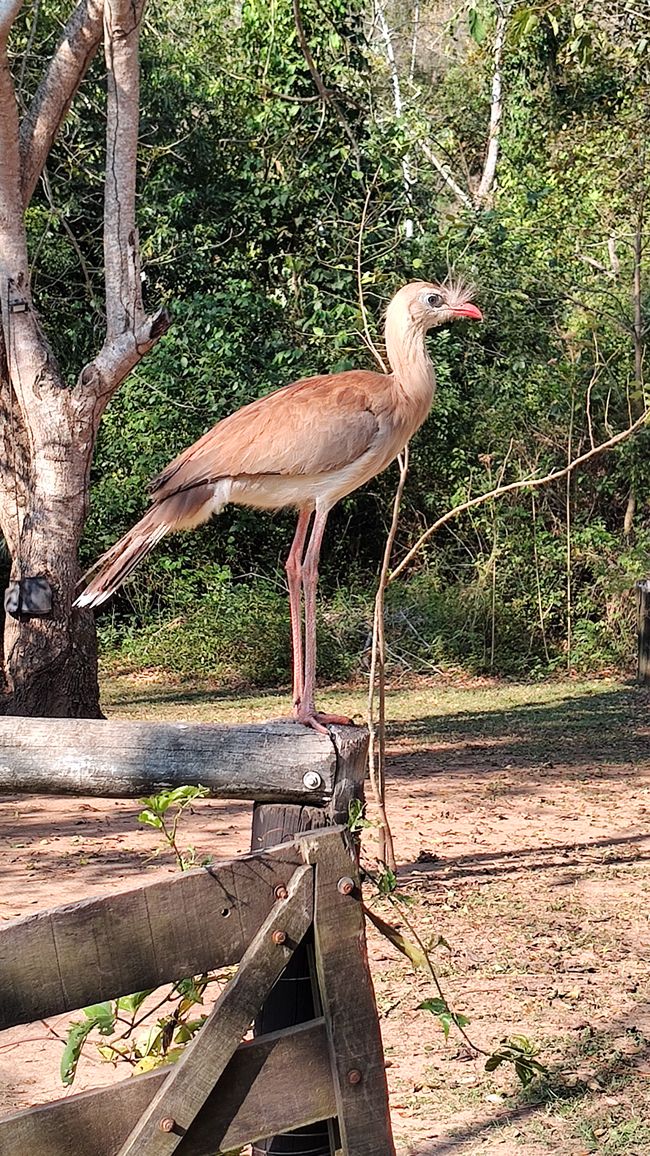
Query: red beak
point(468, 310)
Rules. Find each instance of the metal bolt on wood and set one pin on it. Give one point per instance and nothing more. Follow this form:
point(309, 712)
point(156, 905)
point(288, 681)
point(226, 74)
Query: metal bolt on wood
point(279, 937)
point(167, 1124)
point(280, 892)
point(345, 885)
point(312, 780)
point(354, 1077)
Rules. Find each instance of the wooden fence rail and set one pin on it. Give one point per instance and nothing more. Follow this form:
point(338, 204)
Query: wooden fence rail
point(269, 762)
point(222, 1093)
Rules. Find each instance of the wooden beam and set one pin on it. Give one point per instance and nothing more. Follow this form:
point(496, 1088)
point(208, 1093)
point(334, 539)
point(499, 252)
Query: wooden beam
point(190, 1081)
point(98, 949)
point(348, 1000)
point(271, 1084)
point(268, 762)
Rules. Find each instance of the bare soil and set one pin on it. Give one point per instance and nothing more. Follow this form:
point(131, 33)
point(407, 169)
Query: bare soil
point(520, 816)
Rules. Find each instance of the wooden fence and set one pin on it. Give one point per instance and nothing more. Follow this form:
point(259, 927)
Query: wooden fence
point(255, 911)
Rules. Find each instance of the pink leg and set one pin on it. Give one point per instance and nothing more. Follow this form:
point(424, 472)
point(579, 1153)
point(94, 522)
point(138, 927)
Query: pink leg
point(293, 567)
point(306, 712)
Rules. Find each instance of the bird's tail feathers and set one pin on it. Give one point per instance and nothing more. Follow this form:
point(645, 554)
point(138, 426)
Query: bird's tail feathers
point(178, 512)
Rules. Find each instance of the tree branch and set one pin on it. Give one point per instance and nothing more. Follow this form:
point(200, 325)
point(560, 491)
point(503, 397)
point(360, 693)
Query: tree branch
point(377, 728)
point(118, 357)
point(324, 93)
point(445, 173)
point(129, 332)
point(124, 309)
point(496, 110)
point(522, 484)
point(13, 245)
point(67, 68)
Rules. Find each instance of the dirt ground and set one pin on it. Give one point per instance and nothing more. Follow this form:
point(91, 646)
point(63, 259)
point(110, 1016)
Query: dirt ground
point(520, 815)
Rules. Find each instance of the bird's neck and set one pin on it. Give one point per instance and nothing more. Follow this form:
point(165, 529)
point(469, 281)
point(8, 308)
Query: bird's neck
point(407, 353)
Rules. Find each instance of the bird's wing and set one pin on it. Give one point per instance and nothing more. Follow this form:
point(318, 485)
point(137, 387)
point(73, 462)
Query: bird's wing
point(314, 426)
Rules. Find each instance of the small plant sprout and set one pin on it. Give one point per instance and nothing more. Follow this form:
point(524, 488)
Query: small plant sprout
point(162, 1042)
point(155, 814)
point(357, 821)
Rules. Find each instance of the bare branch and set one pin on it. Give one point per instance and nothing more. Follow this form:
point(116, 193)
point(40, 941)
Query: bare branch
point(398, 105)
point(362, 304)
point(124, 310)
point(446, 175)
point(67, 68)
point(326, 96)
point(522, 484)
point(13, 242)
point(377, 727)
point(496, 110)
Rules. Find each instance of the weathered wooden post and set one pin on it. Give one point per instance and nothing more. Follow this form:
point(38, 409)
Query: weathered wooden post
point(292, 999)
point(643, 631)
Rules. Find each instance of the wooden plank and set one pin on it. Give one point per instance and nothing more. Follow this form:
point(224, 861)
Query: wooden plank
point(272, 1084)
point(68, 957)
point(263, 761)
point(294, 999)
point(347, 996)
point(189, 1083)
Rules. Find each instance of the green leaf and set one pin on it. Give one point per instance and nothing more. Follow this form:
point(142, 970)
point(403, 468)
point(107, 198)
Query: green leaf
point(440, 1008)
point(78, 1033)
point(131, 1003)
point(477, 27)
point(150, 818)
point(102, 1016)
point(435, 1006)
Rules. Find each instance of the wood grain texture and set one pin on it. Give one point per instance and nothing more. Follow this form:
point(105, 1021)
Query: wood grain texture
point(262, 761)
point(351, 765)
point(192, 1079)
point(294, 999)
point(348, 1002)
point(271, 1084)
point(72, 956)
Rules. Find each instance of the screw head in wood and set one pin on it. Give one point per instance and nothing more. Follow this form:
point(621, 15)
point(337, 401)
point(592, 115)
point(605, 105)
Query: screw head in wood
point(354, 1076)
point(167, 1124)
point(281, 892)
point(345, 885)
point(312, 780)
point(279, 937)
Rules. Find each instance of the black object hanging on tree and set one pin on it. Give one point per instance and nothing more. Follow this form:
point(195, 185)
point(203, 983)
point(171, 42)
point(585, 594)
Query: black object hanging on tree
point(29, 598)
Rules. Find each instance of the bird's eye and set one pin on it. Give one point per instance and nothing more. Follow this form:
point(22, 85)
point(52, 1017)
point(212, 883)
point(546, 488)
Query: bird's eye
point(434, 301)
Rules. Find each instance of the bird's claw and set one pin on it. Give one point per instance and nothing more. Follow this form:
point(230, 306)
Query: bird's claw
point(319, 720)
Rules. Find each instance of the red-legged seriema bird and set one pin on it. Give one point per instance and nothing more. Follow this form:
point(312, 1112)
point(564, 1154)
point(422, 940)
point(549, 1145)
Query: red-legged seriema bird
point(306, 445)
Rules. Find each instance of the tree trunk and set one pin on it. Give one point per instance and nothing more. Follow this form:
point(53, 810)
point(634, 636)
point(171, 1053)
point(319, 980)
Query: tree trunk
point(50, 661)
point(48, 429)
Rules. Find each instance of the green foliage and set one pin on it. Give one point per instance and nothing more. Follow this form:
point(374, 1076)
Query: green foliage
point(100, 1016)
point(520, 1052)
point(251, 198)
point(155, 814)
point(118, 1020)
point(445, 1016)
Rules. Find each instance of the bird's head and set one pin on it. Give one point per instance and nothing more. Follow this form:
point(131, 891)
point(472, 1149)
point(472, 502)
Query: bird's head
point(429, 304)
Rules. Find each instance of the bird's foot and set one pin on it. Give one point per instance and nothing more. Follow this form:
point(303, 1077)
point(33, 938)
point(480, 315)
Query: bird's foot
point(318, 720)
